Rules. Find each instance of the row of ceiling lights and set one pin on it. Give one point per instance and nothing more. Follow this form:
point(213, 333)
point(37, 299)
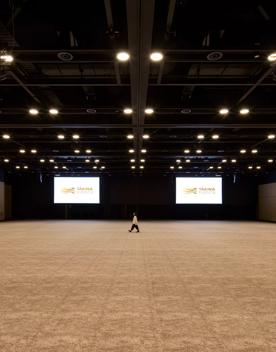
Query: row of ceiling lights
point(124, 56)
point(132, 151)
point(157, 56)
point(34, 151)
point(250, 167)
point(35, 111)
point(6, 160)
point(147, 111)
point(57, 167)
point(131, 136)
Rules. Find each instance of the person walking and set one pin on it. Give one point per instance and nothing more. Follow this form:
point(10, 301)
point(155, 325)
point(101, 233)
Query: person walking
point(134, 224)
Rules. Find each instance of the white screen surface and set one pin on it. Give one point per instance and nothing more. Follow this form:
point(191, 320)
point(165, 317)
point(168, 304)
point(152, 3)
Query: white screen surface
point(82, 190)
point(198, 190)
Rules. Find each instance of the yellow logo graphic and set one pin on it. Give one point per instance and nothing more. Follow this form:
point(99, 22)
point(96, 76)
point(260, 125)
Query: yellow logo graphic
point(199, 190)
point(192, 190)
point(77, 190)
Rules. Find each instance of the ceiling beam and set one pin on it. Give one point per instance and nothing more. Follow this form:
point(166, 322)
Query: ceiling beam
point(258, 83)
point(146, 126)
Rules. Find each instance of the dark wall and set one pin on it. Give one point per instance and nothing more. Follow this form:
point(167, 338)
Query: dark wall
point(152, 196)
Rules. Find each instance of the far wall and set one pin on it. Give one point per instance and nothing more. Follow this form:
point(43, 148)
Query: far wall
point(152, 196)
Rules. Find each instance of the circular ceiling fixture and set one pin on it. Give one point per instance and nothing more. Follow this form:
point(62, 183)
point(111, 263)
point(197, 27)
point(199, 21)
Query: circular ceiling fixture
point(91, 111)
point(65, 56)
point(214, 56)
point(185, 111)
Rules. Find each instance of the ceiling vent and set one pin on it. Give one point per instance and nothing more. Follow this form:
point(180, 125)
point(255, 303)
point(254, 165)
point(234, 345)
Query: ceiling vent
point(91, 111)
point(65, 56)
point(214, 56)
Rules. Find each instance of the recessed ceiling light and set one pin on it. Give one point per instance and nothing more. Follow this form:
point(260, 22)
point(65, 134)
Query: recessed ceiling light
point(95, 167)
point(130, 136)
point(258, 167)
point(76, 151)
point(271, 136)
point(132, 160)
point(96, 161)
point(33, 151)
point(215, 136)
point(233, 161)
point(7, 58)
point(87, 160)
point(200, 136)
point(6, 160)
point(156, 56)
point(141, 166)
point(224, 111)
point(224, 160)
point(56, 167)
point(186, 151)
point(146, 136)
point(131, 151)
point(17, 167)
point(244, 111)
point(188, 160)
point(211, 167)
point(51, 160)
point(198, 151)
point(60, 136)
point(149, 111)
point(42, 160)
point(6, 136)
point(133, 167)
point(102, 167)
point(180, 167)
point(250, 167)
point(53, 111)
point(219, 167)
point(122, 56)
point(254, 151)
point(271, 57)
point(142, 160)
point(76, 136)
point(33, 111)
point(128, 111)
point(22, 151)
point(171, 167)
point(270, 160)
point(26, 167)
point(143, 151)
point(243, 151)
point(64, 167)
point(88, 151)
point(178, 161)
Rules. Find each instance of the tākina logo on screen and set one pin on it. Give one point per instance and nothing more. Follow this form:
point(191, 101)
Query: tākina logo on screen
point(77, 190)
point(199, 190)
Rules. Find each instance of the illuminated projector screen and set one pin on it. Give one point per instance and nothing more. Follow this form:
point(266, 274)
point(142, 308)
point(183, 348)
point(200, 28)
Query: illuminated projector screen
point(81, 190)
point(198, 190)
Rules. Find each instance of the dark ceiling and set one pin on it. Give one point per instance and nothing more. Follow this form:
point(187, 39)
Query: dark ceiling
point(215, 55)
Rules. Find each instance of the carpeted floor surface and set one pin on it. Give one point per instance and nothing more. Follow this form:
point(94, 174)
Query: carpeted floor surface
point(175, 287)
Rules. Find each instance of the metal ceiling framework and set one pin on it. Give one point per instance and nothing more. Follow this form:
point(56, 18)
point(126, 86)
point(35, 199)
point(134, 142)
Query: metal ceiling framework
point(208, 63)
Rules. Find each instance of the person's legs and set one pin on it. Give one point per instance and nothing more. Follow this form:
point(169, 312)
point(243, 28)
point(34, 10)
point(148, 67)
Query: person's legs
point(132, 227)
point(137, 228)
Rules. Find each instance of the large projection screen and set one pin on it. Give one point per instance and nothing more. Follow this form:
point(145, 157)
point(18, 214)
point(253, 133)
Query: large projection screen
point(198, 190)
point(80, 190)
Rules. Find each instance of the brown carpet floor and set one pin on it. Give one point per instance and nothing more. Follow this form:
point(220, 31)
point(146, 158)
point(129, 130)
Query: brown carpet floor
point(177, 286)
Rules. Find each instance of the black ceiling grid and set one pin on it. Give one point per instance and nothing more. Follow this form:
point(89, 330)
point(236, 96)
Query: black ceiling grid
point(213, 58)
